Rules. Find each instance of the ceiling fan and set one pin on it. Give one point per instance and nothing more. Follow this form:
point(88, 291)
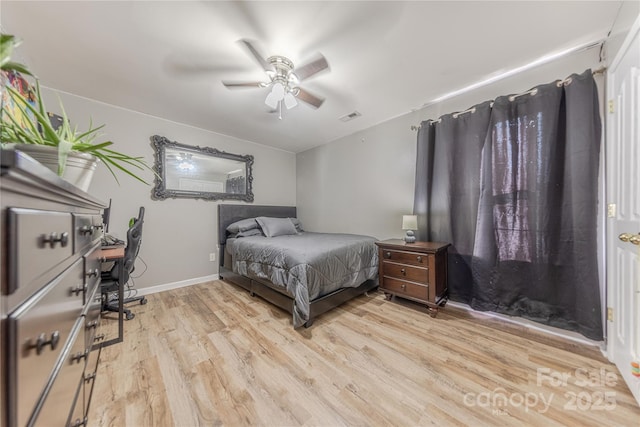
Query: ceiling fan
point(283, 79)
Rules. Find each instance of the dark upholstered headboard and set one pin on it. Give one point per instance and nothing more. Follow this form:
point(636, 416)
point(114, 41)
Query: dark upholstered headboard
point(228, 214)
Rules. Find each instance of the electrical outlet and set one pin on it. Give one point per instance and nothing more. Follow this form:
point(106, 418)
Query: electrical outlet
point(212, 256)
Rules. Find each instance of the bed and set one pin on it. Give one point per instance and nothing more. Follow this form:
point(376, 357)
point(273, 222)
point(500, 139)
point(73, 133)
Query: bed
point(304, 273)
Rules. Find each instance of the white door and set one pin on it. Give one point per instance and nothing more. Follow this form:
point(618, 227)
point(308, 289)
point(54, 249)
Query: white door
point(623, 222)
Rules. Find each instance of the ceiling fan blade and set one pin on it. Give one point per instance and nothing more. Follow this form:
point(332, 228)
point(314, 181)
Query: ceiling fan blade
point(309, 98)
point(234, 85)
point(314, 67)
point(256, 55)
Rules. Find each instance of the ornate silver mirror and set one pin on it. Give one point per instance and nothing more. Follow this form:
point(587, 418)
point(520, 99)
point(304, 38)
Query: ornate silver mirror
point(193, 172)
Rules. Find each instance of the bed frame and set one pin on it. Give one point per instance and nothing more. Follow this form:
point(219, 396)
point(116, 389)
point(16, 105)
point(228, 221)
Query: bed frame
point(228, 214)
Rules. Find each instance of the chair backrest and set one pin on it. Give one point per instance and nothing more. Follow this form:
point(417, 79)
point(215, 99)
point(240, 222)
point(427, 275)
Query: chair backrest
point(134, 239)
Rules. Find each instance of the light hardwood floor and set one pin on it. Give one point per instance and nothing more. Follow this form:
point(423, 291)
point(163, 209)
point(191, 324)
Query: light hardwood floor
point(210, 354)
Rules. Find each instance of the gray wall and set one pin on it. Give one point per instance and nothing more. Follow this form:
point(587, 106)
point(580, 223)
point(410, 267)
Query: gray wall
point(364, 183)
point(178, 235)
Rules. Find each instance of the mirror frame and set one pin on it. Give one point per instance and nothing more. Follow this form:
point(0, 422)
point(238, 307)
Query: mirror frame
point(160, 192)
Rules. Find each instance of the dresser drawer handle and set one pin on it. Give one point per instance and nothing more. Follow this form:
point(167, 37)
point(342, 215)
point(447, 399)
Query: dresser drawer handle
point(387, 255)
point(79, 288)
point(98, 337)
point(92, 324)
point(93, 273)
point(54, 238)
point(42, 341)
point(89, 229)
point(419, 258)
point(79, 422)
point(79, 356)
point(403, 287)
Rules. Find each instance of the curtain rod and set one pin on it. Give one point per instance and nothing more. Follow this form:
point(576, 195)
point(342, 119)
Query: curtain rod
point(517, 70)
point(566, 81)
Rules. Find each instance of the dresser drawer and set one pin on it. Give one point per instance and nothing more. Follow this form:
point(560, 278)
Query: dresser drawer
point(90, 373)
point(406, 272)
point(406, 289)
point(92, 268)
point(87, 230)
point(404, 257)
point(67, 385)
point(92, 317)
point(38, 241)
point(41, 328)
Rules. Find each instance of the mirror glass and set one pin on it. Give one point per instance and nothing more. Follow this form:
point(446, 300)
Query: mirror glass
point(187, 171)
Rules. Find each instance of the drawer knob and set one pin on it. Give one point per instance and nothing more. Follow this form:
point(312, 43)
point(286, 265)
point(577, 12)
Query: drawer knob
point(387, 255)
point(53, 238)
point(93, 273)
point(403, 286)
point(419, 258)
point(42, 341)
point(404, 272)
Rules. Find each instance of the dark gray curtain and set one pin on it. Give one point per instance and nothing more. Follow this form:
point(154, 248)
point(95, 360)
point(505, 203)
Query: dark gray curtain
point(447, 188)
point(514, 189)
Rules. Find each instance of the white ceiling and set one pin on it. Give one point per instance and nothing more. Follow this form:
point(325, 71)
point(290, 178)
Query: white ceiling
point(168, 59)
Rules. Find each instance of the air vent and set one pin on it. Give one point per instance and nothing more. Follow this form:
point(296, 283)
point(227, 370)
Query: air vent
point(350, 116)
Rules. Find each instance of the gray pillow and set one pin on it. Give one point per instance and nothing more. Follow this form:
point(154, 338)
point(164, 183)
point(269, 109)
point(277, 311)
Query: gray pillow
point(242, 225)
point(272, 227)
point(297, 224)
point(252, 232)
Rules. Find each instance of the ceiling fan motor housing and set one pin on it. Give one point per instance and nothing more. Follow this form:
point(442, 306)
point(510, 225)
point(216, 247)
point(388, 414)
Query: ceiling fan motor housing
point(283, 71)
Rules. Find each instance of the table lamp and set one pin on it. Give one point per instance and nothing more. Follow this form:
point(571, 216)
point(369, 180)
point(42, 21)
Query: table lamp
point(410, 223)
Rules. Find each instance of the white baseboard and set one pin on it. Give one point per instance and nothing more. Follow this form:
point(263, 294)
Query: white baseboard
point(569, 335)
point(176, 285)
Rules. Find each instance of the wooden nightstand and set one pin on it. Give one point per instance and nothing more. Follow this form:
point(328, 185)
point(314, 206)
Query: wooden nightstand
point(415, 271)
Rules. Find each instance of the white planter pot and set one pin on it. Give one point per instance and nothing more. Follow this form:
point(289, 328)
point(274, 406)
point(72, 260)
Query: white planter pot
point(78, 171)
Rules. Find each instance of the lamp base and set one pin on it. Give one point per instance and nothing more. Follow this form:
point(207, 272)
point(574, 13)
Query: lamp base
point(410, 237)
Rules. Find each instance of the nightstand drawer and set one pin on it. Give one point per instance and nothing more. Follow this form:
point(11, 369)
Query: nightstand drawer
point(412, 258)
point(406, 272)
point(404, 288)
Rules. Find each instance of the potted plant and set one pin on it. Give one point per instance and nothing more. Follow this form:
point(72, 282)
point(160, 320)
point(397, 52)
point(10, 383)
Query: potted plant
point(72, 154)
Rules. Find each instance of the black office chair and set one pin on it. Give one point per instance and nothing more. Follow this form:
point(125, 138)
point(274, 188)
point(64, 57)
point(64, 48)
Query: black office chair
point(110, 278)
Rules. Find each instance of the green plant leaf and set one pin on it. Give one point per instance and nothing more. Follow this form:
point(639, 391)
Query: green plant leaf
point(64, 147)
point(16, 66)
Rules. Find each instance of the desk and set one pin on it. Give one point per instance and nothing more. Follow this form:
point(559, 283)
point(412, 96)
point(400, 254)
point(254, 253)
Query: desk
point(109, 254)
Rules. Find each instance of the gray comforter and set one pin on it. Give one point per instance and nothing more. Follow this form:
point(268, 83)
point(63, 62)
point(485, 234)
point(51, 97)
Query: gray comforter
point(308, 265)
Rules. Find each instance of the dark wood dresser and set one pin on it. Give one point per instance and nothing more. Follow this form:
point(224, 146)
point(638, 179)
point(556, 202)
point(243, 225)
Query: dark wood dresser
point(415, 271)
point(50, 295)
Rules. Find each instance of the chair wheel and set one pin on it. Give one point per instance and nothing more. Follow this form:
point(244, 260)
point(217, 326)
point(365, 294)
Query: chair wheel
point(143, 301)
point(130, 316)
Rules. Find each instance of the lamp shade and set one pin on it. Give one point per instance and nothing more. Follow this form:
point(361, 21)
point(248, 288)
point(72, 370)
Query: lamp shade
point(409, 222)
point(290, 100)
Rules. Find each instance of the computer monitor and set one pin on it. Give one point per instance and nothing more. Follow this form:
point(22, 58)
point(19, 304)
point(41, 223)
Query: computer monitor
point(105, 218)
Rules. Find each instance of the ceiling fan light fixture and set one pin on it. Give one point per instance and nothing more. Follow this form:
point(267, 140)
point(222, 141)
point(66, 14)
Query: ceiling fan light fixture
point(290, 100)
point(271, 100)
point(278, 91)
